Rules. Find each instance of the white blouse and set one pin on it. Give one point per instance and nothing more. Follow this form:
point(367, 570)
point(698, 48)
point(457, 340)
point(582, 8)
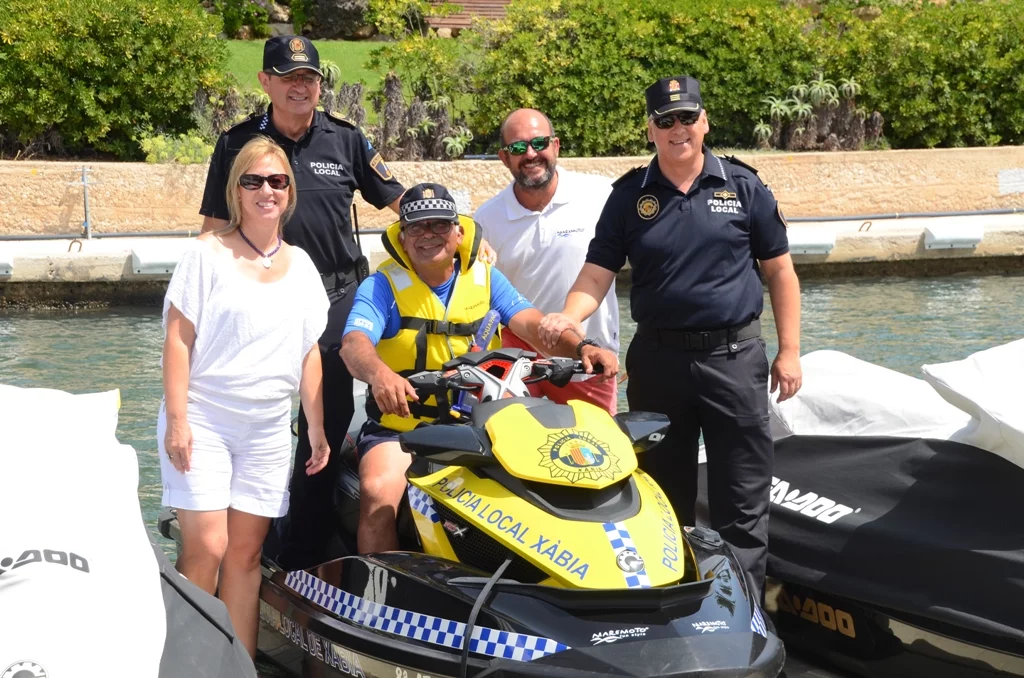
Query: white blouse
point(251, 336)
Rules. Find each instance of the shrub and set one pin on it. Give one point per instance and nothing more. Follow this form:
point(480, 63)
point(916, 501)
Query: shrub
point(941, 76)
point(238, 13)
point(586, 65)
point(97, 73)
point(184, 149)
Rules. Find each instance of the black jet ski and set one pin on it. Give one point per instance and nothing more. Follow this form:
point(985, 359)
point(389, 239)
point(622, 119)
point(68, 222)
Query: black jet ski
point(896, 532)
point(527, 528)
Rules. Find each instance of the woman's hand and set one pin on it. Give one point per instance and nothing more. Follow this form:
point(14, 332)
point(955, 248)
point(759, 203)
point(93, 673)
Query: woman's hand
point(320, 451)
point(178, 444)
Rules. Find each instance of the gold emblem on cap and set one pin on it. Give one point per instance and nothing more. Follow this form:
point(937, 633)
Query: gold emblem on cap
point(296, 45)
point(428, 193)
point(647, 207)
point(673, 85)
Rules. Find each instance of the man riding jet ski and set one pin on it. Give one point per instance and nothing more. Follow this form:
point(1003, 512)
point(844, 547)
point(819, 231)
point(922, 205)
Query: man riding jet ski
point(896, 535)
point(528, 529)
point(528, 543)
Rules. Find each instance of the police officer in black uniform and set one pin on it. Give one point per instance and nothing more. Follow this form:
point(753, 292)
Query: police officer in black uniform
point(331, 159)
point(701, 232)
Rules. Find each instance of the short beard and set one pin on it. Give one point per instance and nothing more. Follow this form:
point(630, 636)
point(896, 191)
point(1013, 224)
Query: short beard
point(543, 180)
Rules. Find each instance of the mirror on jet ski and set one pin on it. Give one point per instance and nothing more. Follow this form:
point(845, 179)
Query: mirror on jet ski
point(644, 429)
point(451, 445)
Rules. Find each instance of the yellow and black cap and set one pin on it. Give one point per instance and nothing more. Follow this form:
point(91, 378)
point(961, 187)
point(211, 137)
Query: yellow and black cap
point(678, 93)
point(427, 201)
point(286, 53)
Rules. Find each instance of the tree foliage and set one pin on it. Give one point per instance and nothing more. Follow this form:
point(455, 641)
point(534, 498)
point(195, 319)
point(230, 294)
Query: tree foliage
point(95, 75)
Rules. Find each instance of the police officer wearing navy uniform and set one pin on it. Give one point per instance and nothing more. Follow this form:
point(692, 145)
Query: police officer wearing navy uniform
point(702, 234)
point(331, 159)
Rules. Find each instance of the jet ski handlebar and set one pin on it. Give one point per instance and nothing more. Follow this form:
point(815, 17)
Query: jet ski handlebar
point(470, 371)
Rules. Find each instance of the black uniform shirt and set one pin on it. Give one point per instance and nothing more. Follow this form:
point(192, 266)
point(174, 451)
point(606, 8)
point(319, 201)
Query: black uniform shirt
point(693, 255)
point(330, 161)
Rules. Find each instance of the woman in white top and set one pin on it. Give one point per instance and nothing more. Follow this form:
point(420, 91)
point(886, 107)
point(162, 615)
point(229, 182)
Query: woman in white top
point(242, 314)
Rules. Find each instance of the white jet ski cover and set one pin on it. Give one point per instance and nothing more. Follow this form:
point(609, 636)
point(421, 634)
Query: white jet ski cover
point(989, 386)
point(80, 591)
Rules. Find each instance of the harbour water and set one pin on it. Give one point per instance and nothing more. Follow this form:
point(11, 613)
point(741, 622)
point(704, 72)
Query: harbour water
point(897, 323)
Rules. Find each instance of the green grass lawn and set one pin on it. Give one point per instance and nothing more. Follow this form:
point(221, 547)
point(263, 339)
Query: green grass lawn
point(245, 59)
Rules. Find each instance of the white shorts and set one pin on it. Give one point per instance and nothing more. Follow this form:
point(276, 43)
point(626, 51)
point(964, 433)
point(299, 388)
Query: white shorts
point(236, 463)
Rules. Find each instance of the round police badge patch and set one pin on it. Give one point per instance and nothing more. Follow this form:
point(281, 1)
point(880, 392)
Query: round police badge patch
point(647, 207)
point(575, 455)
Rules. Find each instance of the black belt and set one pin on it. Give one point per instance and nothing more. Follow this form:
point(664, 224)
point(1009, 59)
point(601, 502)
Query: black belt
point(689, 340)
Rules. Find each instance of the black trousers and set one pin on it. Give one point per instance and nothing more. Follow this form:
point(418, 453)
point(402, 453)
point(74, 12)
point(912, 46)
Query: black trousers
point(724, 394)
point(305, 534)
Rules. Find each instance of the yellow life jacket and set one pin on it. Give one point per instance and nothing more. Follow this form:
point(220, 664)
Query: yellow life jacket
point(431, 334)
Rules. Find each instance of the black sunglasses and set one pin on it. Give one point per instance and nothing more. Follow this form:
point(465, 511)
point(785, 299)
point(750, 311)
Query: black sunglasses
point(519, 147)
point(669, 119)
point(253, 182)
point(436, 227)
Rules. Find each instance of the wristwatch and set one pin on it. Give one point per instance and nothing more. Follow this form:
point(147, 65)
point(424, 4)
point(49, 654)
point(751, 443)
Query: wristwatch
point(585, 342)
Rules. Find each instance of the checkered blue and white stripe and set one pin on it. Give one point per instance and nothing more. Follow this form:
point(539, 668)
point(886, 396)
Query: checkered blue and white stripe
point(422, 503)
point(619, 538)
point(757, 624)
point(427, 204)
point(435, 630)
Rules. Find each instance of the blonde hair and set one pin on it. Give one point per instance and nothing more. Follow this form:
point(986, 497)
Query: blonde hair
point(255, 150)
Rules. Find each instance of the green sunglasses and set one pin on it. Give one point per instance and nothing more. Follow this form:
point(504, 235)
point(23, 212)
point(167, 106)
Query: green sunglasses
point(519, 147)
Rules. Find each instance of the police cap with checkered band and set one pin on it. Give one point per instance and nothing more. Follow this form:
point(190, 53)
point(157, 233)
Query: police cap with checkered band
point(427, 201)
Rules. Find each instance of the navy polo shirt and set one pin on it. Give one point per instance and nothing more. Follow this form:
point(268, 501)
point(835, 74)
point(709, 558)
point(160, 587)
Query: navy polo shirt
point(693, 255)
point(330, 161)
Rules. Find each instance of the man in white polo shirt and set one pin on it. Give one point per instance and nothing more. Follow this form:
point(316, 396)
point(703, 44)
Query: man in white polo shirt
point(540, 225)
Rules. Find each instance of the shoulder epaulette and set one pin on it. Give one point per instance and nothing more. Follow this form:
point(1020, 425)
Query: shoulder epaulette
point(736, 161)
point(245, 121)
point(628, 174)
point(339, 118)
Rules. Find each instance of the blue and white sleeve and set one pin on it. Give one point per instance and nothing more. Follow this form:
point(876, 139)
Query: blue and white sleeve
point(506, 299)
point(371, 310)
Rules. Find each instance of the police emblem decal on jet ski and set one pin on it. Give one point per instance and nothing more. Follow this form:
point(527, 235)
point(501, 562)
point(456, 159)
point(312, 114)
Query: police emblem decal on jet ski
point(574, 455)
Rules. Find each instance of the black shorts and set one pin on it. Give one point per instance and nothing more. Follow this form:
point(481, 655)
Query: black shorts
point(371, 435)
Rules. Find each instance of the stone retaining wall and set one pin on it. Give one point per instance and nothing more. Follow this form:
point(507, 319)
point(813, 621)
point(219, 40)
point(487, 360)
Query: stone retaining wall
point(46, 197)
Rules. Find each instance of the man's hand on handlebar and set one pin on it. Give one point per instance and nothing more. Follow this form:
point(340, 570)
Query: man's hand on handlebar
point(390, 391)
point(594, 357)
